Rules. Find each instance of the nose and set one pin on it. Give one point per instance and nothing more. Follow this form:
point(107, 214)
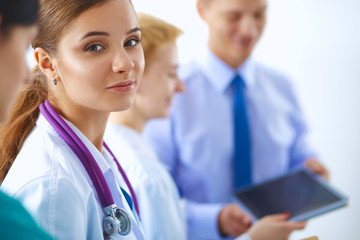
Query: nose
point(247, 26)
point(180, 86)
point(122, 62)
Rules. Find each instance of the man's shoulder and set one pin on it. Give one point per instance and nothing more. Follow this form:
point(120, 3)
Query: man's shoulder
point(272, 75)
point(270, 72)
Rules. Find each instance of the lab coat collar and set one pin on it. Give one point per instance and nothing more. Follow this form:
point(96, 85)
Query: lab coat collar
point(221, 75)
point(98, 156)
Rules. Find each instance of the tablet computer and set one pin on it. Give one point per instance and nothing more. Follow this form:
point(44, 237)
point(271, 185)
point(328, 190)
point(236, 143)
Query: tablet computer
point(301, 193)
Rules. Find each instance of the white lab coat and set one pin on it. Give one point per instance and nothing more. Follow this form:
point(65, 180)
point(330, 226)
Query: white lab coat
point(161, 209)
point(54, 186)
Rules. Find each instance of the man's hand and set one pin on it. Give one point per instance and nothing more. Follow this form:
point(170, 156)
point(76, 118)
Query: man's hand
point(233, 221)
point(317, 167)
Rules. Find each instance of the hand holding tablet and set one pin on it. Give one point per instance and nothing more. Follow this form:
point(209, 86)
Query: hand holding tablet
point(301, 193)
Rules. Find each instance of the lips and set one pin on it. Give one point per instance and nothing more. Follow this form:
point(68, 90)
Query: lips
point(244, 42)
point(125, 86)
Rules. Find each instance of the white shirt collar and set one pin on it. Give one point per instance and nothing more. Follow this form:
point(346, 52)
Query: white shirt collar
point(221, 75)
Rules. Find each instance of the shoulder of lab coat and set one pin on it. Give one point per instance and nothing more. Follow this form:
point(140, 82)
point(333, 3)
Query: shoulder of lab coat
point(55, 187)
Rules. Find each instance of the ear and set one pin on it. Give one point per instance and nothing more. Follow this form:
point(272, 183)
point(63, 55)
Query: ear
point(200, 6)
point(45, 62)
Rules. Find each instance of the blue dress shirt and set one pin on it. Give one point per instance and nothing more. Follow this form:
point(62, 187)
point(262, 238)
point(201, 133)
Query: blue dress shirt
point(196, 141)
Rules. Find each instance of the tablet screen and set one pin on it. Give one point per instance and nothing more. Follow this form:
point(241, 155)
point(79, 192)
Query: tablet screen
point(297, 193)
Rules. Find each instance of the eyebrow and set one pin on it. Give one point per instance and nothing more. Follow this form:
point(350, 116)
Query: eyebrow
point(263, 7)
point(134, 30)
point(98, 33)
point(95, 33)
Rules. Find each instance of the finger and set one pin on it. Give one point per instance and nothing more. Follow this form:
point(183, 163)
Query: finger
point(243, 223)
point(322, 171)
point(278, 217)
point(296, 225)
point(325, 173)
point(313, 165)
point(237, 229)
point(247, 220)
point(238, 215)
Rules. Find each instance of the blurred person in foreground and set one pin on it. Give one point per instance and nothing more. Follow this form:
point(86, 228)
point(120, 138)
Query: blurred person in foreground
point(17, 29)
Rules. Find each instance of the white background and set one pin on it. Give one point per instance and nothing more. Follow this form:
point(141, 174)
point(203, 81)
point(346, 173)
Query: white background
point(317, 43)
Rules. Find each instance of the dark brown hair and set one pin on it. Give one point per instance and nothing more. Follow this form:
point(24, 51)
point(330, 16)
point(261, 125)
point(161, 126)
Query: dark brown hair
point(17, 13)
point(54, 17)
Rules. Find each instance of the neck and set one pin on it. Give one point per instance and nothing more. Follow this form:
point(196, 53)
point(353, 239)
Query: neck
point(90, 122)
point(233, 61)
point(130, 118)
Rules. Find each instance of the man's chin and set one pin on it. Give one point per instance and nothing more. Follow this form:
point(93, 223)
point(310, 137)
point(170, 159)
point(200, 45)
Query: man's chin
point(242, 54)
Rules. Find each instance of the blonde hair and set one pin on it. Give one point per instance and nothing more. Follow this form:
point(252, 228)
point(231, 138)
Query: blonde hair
point(154, 33)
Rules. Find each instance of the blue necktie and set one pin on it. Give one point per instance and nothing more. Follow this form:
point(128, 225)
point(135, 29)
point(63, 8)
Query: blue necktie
point(242, 140)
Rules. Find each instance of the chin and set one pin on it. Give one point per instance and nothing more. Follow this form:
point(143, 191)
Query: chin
point(122, 106)
point(241, 54)
point(165, 115)
point(162, 115)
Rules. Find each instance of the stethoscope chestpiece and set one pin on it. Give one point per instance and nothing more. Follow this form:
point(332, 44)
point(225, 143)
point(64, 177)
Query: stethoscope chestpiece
point(116, 221)
point(125, 222)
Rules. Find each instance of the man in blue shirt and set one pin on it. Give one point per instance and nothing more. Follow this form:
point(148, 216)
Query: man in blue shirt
point(197, 142)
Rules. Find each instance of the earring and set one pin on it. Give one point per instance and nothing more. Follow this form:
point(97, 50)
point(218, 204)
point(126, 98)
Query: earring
point(54, 81)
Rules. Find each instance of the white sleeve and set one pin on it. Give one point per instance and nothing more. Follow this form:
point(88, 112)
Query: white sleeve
point(161, 213)
point(159, 135)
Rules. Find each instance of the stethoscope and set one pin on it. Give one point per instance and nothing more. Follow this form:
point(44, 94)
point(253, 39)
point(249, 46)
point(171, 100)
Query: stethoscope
point(117, 220)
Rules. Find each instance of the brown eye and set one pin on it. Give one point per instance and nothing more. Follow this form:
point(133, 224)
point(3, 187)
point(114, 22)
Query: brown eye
point(233, 17)
point(173, 74)
point(259, 15)
point(132, 42)
point(94, 48)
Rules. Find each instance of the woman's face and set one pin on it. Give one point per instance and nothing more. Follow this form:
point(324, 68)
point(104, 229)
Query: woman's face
point(99, 60)
point(13, 67)
point(160, 83)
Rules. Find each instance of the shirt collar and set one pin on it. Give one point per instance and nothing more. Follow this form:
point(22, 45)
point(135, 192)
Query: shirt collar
point(221, 75)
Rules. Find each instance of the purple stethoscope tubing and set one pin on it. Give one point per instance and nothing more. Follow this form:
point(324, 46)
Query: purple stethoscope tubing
point(85, 156)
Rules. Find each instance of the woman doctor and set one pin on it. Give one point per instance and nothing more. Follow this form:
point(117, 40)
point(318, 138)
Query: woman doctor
point(90, 62)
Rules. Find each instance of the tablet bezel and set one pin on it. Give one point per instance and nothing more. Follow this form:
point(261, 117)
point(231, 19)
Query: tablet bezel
point(343, 200)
